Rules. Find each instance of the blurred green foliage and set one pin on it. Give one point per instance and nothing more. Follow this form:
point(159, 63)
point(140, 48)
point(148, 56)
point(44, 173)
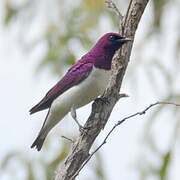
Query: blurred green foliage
point(68, 24)
point(72, 23)
point(29, 164)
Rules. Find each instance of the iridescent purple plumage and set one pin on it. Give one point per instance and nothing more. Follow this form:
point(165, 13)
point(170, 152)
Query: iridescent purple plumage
point(99, 57)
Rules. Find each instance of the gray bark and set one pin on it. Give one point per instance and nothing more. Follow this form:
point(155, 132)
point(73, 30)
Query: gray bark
point(102, 108)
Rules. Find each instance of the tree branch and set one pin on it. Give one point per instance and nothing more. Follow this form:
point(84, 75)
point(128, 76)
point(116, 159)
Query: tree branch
point(112, 5)
point(101, 109)
point(140, 113)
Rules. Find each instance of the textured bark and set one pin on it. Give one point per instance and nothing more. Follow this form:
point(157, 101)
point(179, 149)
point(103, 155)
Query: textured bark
point(102, 108)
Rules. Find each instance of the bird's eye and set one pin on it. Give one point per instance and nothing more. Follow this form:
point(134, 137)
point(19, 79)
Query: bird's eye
point(112, 38)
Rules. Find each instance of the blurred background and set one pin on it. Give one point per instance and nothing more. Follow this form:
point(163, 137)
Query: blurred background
point(39, 40)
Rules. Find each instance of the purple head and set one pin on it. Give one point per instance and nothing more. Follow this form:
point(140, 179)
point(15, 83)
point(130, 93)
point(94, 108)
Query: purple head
point(105, 48)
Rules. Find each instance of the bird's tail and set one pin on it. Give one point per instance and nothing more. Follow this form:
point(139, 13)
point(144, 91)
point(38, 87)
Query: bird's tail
point(50, 121)
point(38, 142)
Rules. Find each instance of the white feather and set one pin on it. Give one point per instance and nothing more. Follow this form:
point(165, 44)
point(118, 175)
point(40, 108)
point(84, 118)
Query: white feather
point(77, 96)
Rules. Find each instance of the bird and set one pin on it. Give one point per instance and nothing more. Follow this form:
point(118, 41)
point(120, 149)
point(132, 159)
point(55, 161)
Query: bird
point(84, 82)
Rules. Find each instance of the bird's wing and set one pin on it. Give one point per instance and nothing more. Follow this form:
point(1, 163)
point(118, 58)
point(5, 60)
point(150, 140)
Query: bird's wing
point(74, 76)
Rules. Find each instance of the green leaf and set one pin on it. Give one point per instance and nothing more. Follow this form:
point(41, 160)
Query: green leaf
point(166, 159)
point(158, 6)
point(70, 59)
point(8, 158)
point(10, 12)
point(98, 169)
point(30, 173)
point(53, 165)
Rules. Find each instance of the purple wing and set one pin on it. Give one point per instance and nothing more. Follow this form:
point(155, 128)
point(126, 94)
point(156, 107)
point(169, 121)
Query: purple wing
point(74, 76)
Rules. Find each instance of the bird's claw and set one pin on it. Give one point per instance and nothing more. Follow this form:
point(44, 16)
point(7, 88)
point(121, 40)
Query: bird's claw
point(74, 116)
point(103, 100)
point(82, 130)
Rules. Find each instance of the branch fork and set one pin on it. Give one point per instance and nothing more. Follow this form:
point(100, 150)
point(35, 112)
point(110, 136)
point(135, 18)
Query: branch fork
point(79, 154)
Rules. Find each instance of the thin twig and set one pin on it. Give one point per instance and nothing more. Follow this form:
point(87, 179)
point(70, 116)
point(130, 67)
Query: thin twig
point(112, 5)
point(68, 139)
point(119, 123)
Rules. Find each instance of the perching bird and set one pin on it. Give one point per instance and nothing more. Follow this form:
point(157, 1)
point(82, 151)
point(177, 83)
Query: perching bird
point(84, 82)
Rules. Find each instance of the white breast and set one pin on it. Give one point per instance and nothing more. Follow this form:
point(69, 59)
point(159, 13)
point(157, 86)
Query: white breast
point(85, 92)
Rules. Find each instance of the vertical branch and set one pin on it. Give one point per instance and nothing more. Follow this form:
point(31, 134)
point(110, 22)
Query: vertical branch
point(101, 111)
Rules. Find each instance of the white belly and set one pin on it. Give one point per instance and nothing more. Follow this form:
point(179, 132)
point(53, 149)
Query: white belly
point(77, 96)
point(85, 92)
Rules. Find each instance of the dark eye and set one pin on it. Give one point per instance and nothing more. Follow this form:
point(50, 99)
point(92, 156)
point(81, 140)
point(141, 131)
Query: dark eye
point(112, 38)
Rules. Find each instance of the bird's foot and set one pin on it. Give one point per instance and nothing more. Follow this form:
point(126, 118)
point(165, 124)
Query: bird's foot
point(83, 130)
point(74, 116)
point(103, 100)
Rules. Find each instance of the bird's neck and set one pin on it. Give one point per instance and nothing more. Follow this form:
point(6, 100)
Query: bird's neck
point(102, 58)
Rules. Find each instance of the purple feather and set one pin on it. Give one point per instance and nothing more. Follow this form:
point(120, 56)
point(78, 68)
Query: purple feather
point(99, 56)
point(74, 76)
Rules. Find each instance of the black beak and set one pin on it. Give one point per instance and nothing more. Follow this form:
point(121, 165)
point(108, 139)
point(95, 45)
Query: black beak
point(124, 40)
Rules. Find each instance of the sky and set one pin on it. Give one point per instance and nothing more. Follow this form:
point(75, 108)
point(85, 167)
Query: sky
point(22, 87)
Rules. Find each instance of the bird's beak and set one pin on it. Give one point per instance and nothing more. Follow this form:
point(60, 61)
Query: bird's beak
point(124, 40)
